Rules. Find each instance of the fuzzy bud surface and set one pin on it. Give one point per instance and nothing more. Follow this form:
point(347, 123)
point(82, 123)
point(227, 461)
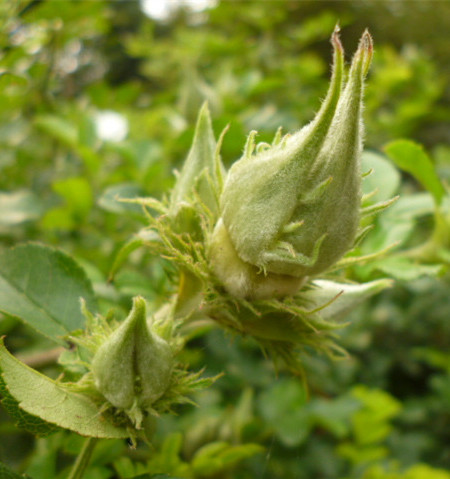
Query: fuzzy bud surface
point(294, 209)
point(134, 365)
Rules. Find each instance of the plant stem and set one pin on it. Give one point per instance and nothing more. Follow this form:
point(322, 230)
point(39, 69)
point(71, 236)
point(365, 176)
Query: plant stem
point(83, 458)
point(42, 359)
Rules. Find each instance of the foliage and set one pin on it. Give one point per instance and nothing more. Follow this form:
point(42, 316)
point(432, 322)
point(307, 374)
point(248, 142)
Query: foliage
point(382, 410)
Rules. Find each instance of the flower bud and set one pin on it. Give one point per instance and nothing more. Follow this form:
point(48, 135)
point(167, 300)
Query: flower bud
point(199, 172)
point(293, 209)
point(134, 365)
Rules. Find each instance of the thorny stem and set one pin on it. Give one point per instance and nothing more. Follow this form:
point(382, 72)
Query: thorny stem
point(83, 458)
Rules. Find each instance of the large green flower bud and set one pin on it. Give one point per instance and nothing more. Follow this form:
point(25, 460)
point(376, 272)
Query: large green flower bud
point(293, 210)
point(134, 365)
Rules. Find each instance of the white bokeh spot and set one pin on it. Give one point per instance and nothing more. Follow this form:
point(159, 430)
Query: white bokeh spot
point(111, 126)
point(162, 9)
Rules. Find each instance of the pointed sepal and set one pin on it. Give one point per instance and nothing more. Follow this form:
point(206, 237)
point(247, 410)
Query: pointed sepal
point(199, 174)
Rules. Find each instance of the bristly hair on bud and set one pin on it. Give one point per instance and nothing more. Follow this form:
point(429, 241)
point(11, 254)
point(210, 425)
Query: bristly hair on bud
point(293, 209)
point(132, 368)
point(262, 256)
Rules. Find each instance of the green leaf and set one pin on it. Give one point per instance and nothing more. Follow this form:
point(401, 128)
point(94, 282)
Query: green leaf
point(7, 473)
point(419, 471)
point(122, 255)
point(334, 414)
point(219, 456)
point(58, 219)
point(411, 207)
point(397, 223)
point(359, 454)
point(385, 178)
point(412, 158)
point(233, 455)
point(42, 287)
point(76, 137)
point(78, 195)
point(139, 153)
point(111, 199)
point(43, 462)
point(371, 423)
point(170, 452)
point(284, 408)
point(125, 467)
point(22, 419)
point(54, 402)
point(58, 128)
point(405, 269)
point(8, 79)
point(18, 207)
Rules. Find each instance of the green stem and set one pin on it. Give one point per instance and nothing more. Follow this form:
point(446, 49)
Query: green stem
point(83, 458)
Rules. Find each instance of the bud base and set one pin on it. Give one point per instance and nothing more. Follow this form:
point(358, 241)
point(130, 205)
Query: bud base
point(242, 279)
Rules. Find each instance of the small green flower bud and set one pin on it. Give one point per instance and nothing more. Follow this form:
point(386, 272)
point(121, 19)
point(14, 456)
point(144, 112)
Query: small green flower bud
point(134, 365)
point(293, 209)
point(199, 172)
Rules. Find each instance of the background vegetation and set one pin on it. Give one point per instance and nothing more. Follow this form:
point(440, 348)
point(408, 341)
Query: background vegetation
point(99, 98)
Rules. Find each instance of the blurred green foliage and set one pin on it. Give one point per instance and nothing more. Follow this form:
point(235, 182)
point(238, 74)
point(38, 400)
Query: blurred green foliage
point(381, 413)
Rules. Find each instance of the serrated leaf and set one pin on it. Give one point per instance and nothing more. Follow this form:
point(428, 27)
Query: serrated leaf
point(411, 157)
point(7, 473)
point(54, 402)
point(42, 287)
point(23, 420)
